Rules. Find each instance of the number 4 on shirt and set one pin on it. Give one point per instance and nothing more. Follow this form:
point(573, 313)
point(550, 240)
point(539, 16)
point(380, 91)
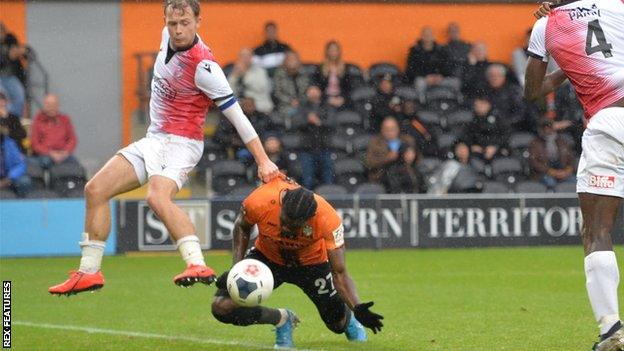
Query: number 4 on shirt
point(594, 29)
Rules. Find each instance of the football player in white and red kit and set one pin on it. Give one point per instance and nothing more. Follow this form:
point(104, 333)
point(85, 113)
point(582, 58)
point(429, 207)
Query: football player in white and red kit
point(586, 39)
point(187, 82)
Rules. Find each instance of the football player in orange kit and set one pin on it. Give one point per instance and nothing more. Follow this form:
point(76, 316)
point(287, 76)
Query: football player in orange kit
point(301, 239)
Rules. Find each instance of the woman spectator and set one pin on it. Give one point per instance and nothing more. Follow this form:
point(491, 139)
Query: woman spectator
point(333, 77)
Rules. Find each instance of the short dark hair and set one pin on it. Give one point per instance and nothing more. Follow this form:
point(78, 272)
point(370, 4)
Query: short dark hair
point(299, 204)
point(270, 24)
point(3, 97)
point(181, 5)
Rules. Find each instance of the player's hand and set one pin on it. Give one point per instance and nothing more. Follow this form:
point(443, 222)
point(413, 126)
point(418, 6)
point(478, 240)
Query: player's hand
point(543, 10)
point(221, 282)
point(368, 318)
point(267, 171)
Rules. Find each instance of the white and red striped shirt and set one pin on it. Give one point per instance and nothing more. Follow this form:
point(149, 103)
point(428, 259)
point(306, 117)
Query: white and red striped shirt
point(185, 85)
point(586, 39)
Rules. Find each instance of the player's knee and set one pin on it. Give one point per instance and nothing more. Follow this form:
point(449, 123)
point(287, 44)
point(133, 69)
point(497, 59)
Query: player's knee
point(94, 192)
point(157, 201)
point(222, 312)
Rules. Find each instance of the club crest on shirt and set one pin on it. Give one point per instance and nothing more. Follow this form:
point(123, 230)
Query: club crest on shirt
point(307, 231)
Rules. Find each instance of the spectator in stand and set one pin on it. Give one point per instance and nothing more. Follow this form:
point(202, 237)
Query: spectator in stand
point(505, 96)
point(290, 85)
point(391, 159)
point(12, 166)
point(550, 157)
point(12, 73)
point(315, 125)
point(228, 137)
point(474, 72)
point(486, 133)
point(424, 135)
point(250, 80)
point(456, 175)
point(333, 77)
point(273, 148)
point(12, 122)
point(384, 104)
point(457, 50)
point(52, 135)
point(520, 58)
point(270, 54)
point(427, 61)
point(569, 115)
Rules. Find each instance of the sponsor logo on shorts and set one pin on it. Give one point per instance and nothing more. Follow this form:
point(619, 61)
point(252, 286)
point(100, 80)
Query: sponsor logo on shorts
point(598, 181)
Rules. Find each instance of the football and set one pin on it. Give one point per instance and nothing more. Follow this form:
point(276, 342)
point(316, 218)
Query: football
point(250, 282)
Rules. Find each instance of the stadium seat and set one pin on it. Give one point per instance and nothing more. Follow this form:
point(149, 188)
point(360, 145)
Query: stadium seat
point(363, 94)
point(530, 187)
point(339, 145)
point(467, 180)
point(445, 144)
point(349, 173)
point(459, 119)
point(228, 175)
point(407, 93)
point(495, 188)
point(242, 191)
point(7, 194)
point(380, 69)
point(38, 175)
point(567, 187)
point(66, 177)
point(41, 194)
point(370, 189)
point(507, 169)
point(428, 165)
point(441, 99)
point(429, 117)
point(519, 143)
point(309, 68)
point(213, 152)
point(291, 142)
point(360, 143)
point(227, 69)
point(356, 75)
point(349, 123)
point(331, 189)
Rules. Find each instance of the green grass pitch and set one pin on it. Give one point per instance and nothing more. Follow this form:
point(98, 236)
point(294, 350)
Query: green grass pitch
point(459, 299)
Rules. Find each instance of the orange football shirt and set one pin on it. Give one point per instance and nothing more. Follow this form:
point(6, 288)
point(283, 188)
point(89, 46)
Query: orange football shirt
point(320, 233)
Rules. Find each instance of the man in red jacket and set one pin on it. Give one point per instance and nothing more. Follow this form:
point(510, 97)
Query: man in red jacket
point(52, 134)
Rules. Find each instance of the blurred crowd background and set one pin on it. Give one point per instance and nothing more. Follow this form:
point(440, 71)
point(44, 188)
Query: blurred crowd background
point(453, 121)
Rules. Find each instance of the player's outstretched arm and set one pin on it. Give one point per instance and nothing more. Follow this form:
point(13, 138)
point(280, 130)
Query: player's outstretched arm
point(346, 288)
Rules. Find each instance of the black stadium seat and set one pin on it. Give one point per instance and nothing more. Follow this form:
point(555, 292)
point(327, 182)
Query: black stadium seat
point(349, 123)
point(507, 169)
point(446, 143)
point(378, 70)
point(495, 188)
point(349, 173)
point(330, 189)
point(530, 187)
point(228, 175)
point(519, 143)
point(568, 187)
point(68, 177)
point(370, 189)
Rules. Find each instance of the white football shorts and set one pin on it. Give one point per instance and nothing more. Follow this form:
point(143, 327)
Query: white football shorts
point(601, 167)
point(166, 155)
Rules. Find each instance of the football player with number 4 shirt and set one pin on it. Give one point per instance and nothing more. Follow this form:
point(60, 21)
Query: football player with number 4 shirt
point(301, 240)
point(187, 82)
point(586, 39)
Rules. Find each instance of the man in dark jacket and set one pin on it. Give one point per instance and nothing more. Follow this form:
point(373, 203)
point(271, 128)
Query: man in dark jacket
point(13, 124)
point(505, 96)
point(457, 50)
point(270, 54)
point(315, 126)
point(385, 103)
point(550, 157)
point(289, 85)
point(485, 134)
point(427, 60)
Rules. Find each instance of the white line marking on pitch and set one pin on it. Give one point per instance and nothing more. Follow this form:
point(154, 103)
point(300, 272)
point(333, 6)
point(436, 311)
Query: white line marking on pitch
point(145, 335)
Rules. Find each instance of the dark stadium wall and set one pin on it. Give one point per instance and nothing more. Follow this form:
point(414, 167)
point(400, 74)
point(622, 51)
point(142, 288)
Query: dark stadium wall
point(369, 32)
point(79, 45)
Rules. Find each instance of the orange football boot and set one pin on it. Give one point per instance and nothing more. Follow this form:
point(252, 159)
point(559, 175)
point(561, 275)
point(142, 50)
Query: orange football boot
point(195, 274)
point(78, 282)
